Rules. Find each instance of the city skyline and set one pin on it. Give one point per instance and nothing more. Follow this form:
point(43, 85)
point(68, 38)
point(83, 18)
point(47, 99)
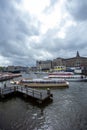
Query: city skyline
point(34, 30)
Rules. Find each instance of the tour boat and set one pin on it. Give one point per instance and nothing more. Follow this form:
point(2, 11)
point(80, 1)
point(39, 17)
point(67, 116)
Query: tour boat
point(44, 83)
point(68, 76)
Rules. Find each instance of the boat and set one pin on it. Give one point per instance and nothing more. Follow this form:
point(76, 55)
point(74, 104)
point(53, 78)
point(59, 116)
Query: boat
point(68, 76)
point(40, 72)
point(44, 83)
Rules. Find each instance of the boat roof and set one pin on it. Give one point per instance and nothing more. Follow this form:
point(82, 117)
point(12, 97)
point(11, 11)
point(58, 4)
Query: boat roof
point(45, 79)
point(61, 73)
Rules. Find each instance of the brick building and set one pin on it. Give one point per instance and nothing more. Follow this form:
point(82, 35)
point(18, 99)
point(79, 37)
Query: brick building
point(77, 61)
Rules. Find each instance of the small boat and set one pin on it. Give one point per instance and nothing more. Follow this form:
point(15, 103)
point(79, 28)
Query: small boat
point(68, 76)
point(44, 83)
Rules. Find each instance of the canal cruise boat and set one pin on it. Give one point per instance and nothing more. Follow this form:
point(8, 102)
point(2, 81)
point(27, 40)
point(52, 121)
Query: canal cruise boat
point(44, 83)
point(68, 76)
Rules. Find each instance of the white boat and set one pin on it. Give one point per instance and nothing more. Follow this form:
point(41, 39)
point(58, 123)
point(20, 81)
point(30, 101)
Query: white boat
point(44, 83)
point(68, 76)
point(40, 72)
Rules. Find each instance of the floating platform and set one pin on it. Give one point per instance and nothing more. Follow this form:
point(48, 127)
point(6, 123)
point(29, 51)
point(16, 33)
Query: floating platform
point(38, 96)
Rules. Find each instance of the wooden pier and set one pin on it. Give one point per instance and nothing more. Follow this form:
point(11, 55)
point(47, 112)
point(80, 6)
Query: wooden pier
point(38, 96)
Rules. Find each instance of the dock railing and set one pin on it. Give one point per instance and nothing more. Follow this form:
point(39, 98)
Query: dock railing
point(30, 91)
point(7, 90)
point(37, 94)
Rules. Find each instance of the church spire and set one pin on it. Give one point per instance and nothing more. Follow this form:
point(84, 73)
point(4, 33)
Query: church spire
point(77, 54)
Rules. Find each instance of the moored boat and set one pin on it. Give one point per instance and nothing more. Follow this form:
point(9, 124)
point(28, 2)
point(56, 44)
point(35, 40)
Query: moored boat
point(68, 76)
point(44, 83)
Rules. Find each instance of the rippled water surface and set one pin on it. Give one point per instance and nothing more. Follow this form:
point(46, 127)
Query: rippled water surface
point(68, 111)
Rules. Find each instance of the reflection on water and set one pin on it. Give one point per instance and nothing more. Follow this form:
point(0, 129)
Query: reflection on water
point(68, 111)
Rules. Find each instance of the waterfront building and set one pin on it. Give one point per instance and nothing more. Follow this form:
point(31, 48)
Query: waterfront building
point(77, 61)
point(15, 69)
point(44, 65)
point(74, 62)
point(59, 68)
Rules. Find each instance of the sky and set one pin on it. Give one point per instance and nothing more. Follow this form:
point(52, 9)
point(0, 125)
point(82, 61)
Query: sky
point(32, 30)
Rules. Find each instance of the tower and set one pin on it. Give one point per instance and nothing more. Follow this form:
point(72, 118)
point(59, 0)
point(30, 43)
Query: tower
point(77, 55)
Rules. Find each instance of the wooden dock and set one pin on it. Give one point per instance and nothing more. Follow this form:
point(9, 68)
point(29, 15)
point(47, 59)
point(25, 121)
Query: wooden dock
point(37, 95)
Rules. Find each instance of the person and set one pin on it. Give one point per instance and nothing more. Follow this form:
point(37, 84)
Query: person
point(48, 91)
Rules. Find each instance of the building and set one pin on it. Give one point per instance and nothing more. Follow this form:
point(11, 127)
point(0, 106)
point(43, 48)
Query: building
point(15, 69)
point(59, 68)
point(77, 61)
point(44, 65)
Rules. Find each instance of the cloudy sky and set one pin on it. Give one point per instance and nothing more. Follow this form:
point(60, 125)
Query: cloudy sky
point(33, 30)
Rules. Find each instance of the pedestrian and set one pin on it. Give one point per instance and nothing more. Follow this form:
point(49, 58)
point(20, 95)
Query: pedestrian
point(48, 91)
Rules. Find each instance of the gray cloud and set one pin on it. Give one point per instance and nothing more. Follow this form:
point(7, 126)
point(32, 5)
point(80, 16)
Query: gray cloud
point(75, 40)
point(17, 30)
point(78, 9)
point(15, 27)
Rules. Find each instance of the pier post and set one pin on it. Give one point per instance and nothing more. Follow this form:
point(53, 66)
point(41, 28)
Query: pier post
point(1, 91)
point(14, 88)
point(2, 95)
point(26, 90)
point(40, 95)
point(17, 88)
point(21, 88)
point(33, 93)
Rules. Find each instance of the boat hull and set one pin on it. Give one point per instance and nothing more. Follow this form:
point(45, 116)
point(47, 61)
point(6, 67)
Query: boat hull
point(70, 79)
point(40, 85)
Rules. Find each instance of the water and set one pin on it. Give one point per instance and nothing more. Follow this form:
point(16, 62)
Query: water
point(68, 111)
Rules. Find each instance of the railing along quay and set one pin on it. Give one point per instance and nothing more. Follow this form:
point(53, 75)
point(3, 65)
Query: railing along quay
point(37, 95)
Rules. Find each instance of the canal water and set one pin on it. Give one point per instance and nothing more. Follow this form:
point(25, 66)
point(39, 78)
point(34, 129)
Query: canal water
point(68, 111)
